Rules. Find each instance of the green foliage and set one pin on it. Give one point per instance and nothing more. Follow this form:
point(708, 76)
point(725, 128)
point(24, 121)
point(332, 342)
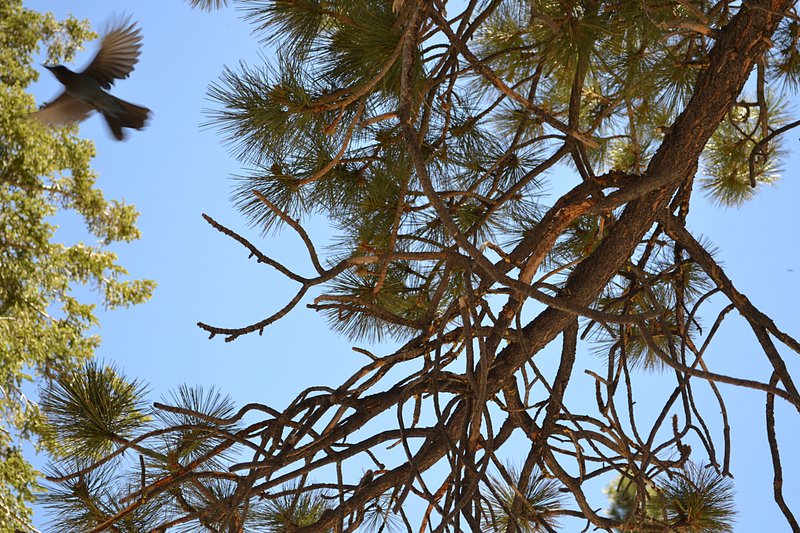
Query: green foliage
point(695, 499)
point(400, 305)
point(84, 501)
point(728, 155)
point(97, 411)
point(624, 497)
point(196, 438)
point(316, 125)
point(286, 512)
point(44, 326)
point(668, 287)
point(310, 154)
point(91, 408)
point(637, 78)
point(528, 507)
point(359, 51)
point(786, 55)
point(670, 283)
point(698, 500)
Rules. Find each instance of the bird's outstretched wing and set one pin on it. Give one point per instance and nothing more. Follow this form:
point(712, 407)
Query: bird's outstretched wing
point(119, 52)
point(63, 110)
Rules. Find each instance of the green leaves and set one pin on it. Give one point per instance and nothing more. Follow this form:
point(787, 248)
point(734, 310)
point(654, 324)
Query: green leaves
point(363, 49)
point(786, 65)
point(82, 502)
point(102, 423)
point(18, 481)
point(298, 22)
point(643, 64)
point(695, 499)
point(525, 505)
point(727, 157)
point(93, 409)
point(669, 288)
point(196, 438)
point(288, 511)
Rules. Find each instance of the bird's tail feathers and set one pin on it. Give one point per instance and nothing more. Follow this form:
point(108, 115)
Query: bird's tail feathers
point(131, 116)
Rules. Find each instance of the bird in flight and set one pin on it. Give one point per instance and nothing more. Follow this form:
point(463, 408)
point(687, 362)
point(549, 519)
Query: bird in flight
point(86, 91)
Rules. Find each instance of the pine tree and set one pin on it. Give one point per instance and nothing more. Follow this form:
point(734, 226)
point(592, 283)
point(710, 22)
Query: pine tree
point(45, 327)
point(427, 133)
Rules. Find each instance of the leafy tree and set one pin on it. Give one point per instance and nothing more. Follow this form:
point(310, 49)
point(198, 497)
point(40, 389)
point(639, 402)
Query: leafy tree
point(44, 326)
point(427, 134)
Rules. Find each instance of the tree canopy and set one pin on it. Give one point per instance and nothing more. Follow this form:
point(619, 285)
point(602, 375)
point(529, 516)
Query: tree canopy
point(45, 320)
point(428, 133)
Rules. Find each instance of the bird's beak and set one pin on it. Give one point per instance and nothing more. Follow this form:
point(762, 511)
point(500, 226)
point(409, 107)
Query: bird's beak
point(49, 67)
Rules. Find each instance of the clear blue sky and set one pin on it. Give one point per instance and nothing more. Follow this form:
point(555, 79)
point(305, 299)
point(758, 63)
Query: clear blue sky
point(174, 170)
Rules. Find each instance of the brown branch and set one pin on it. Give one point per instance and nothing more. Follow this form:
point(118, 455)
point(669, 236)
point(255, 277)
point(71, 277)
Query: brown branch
point(776, 460)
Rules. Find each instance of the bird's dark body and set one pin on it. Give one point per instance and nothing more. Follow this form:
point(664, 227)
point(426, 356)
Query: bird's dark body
point(85, 91)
